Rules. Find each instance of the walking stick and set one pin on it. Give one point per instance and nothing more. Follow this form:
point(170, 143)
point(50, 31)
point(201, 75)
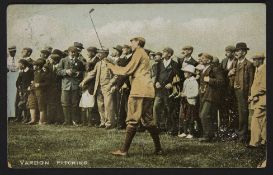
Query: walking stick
point(119, 108)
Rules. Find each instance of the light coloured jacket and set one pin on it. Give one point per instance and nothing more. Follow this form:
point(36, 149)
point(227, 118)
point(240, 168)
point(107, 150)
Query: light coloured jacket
point(100, 70)
point(139, 70)
point(258, 88)
point(190, 89)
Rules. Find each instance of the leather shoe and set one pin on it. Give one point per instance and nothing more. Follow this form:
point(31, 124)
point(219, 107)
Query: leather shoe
point(119, 153)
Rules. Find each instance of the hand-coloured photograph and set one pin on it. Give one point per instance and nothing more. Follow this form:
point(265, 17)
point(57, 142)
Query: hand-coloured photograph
point(180, 85)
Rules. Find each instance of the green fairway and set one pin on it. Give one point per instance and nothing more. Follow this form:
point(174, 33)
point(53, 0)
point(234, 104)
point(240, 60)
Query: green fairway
point(52, 146)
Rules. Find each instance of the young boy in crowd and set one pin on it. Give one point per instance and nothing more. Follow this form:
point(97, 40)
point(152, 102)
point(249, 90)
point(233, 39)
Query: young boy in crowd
point(188, 102)
point(22, 83)
point(37, 97)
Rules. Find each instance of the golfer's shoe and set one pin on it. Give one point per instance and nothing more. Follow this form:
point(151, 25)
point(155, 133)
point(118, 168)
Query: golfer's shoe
point(189, 136)
point(182, 135)
point(119, 153)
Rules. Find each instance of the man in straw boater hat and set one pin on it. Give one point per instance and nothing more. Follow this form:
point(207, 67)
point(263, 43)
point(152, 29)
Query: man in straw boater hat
point(141, 96)
point(244, 74)
point(12, 60)
point(71, 70)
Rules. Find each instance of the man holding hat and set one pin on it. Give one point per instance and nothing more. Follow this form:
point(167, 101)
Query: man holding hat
point(257, 101)
point(166, 70)
point(228, 108)
point(211, 81)
point(71, 70)
point(12, 60)
point(54, 107)
point(244, 74)
point(105, 99)
point(141, 96)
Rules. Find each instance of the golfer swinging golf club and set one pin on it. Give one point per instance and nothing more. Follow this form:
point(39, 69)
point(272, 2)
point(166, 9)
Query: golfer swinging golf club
point(141, 96)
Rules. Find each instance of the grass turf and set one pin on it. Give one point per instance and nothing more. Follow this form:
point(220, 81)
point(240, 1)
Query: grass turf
point(61, 143)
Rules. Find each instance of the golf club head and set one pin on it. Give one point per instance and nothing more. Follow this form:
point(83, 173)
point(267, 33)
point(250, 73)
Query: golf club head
point(91, 10)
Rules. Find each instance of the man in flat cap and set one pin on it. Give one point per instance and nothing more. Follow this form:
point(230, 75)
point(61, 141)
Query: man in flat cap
point(141, 96)
point(122, 85)
point(257, 101)
point(79, 46)
point(54, 107)
point(71, 70)
point(211, 81)
point(157, 59)
point(12, 60)
point(228, 109)
point(166, 70)
point(90, 114)
point(244, 74)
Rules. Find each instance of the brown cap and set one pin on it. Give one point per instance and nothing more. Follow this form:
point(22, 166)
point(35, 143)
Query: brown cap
point(230, 48)
point(207, 56)
point(24, 62)
point(39, 62)
point(187, 48)
point(47, 50)
point(73, 49)
point(138, 39)
point(78, 45)
point(169, 50)
point(92, 49)
point(118, 48)
point(158, 53)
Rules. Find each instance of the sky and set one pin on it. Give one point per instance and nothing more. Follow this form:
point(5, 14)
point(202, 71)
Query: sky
point(207, 27)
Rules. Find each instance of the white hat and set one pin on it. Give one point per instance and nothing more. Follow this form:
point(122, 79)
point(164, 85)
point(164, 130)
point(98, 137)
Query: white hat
point(189, 68)
point(200, 67)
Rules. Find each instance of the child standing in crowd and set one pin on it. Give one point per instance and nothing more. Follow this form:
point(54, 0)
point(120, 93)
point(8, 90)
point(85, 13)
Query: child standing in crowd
point(22, 83)
point(188, 102)
point(37, 97)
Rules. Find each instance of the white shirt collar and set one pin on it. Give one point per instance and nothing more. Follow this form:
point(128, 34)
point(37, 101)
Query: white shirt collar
point(206, 67)
point(166, 62)
point(26, 69)
point(187, 59)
